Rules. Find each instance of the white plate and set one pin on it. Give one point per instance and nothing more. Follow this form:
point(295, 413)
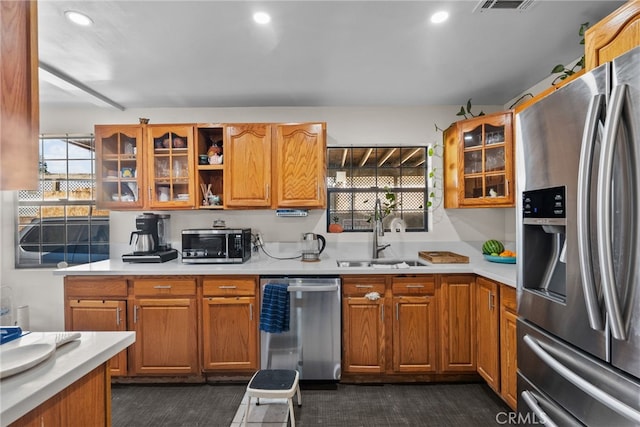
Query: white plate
point(17, 359)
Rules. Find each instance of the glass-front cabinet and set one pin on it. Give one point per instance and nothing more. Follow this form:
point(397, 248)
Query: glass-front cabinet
point(170, 164)
point(479, 162)
point(120, 177)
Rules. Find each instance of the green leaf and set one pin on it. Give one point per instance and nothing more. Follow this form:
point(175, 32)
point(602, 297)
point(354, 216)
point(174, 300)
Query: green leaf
point(461, 112)
point(431, 174)
point(469, 106)
point(429, 204)
point(432, 194)
point(558, 69)
point(481, 113)
point(430, 152)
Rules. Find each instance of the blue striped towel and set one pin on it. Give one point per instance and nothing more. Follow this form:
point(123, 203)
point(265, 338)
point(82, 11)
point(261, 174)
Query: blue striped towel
point(274, 315)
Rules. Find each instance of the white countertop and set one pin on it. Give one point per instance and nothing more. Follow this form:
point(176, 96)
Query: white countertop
point(261, 264)
point(24, 391)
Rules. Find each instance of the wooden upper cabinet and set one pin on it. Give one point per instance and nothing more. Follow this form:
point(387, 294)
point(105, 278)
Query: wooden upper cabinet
point(479, 162)
point(614, 35)
point(119, 166)
point(19, 100)
point(300, 165)
point(247, 163)
point(170, 160)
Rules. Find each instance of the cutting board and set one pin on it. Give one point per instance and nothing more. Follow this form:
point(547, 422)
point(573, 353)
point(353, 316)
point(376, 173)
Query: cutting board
point(443, 257)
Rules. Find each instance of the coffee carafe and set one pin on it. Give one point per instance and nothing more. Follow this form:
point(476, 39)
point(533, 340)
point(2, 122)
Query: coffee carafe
point(146, 233)
point(312, 246)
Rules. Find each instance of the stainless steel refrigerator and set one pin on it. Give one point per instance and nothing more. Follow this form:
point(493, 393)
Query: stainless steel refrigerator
point(578, 233)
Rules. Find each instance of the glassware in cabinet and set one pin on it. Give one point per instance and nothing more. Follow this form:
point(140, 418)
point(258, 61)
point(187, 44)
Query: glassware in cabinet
point(119, 166)
point(479, 164)
point(171, 165)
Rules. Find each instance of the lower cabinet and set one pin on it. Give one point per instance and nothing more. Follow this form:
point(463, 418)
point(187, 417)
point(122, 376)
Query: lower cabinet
point(457, 323)
point(508, 346)
point(98, 304)
point(363, 324)
point(414, 324)
point(487, 321)
point(230, 317)
point(164, 317)
point(389, 324)
point(87, 402)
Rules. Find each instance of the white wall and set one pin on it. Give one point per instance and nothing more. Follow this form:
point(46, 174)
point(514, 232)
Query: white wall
point(345, 126)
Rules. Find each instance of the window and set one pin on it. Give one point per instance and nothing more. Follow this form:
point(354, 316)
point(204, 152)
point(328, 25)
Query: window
point(357, 176)
point(59, 221)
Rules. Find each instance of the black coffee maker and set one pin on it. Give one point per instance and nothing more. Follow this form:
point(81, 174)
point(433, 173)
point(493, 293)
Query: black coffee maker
point(146, 234)
point(147, 246)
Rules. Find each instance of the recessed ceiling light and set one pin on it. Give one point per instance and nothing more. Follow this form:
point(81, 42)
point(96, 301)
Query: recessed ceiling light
point(439, 17)
point(261, 17)
point(78, 18)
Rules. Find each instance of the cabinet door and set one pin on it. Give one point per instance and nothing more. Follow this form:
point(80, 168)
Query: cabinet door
point(166, 332)
point(363, 335)
point(247, 162)
point(414, 334)
point(300, 166)
point(484, 163)
point(487, 315)
point(100, 315)
point(457, 303)
point(19, 103)
point(508, 346)
point(230, 337)
point(119, 167)
point(170, 164)
point(612, 36)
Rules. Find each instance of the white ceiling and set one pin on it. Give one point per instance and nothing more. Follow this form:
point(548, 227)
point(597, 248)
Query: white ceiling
point(145, 54)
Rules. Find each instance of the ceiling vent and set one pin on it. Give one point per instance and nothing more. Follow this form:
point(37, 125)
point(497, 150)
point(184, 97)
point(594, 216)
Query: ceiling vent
point(486, 5)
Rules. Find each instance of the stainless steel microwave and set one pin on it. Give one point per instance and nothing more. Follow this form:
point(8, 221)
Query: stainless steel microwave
point(216, 246)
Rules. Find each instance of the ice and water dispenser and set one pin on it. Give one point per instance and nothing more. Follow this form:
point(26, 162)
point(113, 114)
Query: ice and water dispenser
point(544, 242)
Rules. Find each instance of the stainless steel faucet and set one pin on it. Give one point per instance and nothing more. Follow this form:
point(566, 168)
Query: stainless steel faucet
point(378, 230)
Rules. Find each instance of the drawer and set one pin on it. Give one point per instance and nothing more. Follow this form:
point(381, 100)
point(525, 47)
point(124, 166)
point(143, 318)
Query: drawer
point(418, 285)
point(508, 298)
point(94, 286)
point(229, 287)
point(361, 287)
point(164, 287)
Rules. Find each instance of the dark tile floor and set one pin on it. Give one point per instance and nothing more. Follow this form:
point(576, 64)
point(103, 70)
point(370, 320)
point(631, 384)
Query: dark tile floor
point(441, 405)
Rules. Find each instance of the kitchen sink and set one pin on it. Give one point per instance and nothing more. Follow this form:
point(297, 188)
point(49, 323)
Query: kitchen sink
point(383, 263)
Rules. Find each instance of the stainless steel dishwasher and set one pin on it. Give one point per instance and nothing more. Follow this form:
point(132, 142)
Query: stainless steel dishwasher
point(312, 346)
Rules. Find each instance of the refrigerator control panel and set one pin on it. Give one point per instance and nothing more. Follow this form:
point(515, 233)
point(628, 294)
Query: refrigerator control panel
point(545, 203)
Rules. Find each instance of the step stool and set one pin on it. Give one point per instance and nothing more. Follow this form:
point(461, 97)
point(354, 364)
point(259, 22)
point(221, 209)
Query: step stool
point(274, 383)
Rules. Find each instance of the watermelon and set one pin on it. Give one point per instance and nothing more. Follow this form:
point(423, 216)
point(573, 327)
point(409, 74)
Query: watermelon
point(492, 246)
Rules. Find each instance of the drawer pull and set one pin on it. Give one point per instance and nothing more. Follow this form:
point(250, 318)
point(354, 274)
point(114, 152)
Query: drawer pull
point(135, 314)
point(415, 286)
point(227, 287)
point(364, 286)
point(251, 312)
point(162, 287)
point(118, 316)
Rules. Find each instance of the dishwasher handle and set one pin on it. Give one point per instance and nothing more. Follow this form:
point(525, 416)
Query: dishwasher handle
point(313, 288)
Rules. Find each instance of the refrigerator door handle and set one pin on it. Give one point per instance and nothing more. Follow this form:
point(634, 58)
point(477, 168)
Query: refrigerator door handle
point(540, 414)
point(585, 170)
point(604, 202)
point(593, 391)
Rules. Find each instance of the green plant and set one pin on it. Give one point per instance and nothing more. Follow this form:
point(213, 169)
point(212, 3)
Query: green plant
point(566, 72)
point(464, 113)
point(389, 204)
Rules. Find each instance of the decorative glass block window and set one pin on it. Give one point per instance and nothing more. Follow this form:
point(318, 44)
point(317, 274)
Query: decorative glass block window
point(59, 221)
point(357, 176)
